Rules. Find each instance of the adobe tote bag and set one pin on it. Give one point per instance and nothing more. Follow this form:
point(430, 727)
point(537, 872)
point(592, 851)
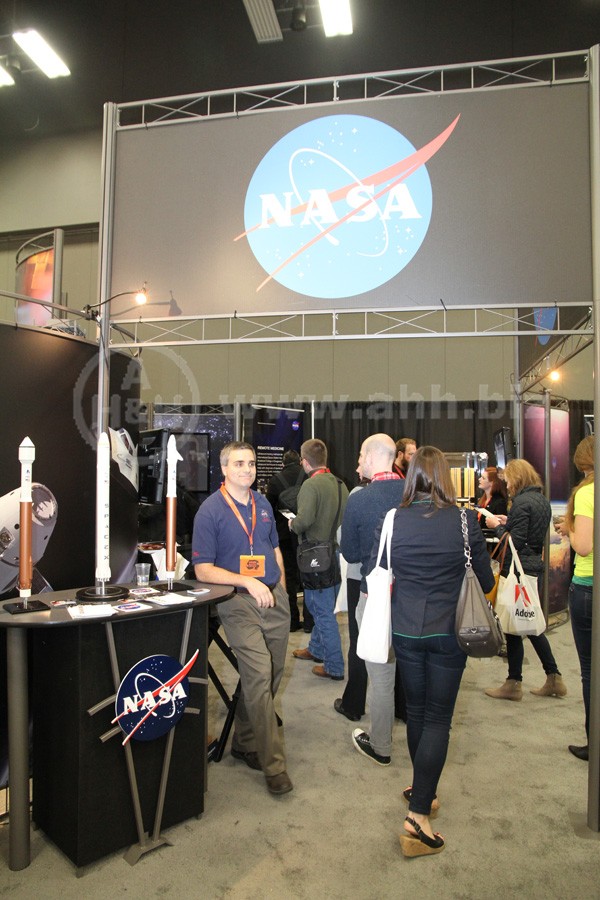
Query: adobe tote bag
point(375, 635)
point(518, 603)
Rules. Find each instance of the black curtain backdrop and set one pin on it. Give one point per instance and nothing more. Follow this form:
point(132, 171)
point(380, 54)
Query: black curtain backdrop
point(456, 426)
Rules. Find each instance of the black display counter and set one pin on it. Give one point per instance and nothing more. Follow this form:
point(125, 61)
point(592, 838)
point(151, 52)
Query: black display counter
point(92, 795)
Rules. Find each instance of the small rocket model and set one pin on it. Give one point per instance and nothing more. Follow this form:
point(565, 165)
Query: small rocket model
point(173, 457)
point(26, 458)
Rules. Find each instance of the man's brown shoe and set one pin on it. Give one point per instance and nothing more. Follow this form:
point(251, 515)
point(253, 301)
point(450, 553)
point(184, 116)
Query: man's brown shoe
point(279, 784)
point(305, 654)
point(320, 671)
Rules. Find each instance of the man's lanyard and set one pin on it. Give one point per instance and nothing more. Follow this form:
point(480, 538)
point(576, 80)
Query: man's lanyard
point(236, 511)
point(320, 471)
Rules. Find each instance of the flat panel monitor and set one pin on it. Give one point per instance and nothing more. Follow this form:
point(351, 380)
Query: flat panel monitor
point(503, 447)
point(152, 464)
point(193, 469)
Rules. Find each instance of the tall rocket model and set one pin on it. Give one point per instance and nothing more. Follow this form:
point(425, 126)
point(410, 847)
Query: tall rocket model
point(26, 458)
point(102, 512)
point(173, 457)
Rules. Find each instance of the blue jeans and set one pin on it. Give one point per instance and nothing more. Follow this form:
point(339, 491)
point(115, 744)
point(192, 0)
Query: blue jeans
point(431, 670)
point(580, 607)
point(325, 642)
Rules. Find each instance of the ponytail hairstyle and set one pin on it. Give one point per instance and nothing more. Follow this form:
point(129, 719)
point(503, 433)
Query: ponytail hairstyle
point(583, 458)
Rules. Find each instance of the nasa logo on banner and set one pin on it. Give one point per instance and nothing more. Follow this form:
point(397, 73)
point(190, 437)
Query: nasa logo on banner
point(339, 206)
point(152, 697)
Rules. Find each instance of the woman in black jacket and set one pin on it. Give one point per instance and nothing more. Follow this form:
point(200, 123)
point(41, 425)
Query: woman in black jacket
point(494, 498)
point(527, 522)
point(428, 561)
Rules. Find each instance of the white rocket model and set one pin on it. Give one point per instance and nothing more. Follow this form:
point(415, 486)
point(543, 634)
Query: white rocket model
point(173, 457)
point(103, 511)
point(26, 458)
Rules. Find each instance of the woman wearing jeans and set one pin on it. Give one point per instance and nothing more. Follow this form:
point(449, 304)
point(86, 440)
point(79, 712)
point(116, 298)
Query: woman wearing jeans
point(527, 522)
point(428, 562)
point(578, 525)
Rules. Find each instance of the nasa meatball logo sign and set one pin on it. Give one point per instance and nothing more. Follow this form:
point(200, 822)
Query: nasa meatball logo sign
point(152, 697)
point(339, 206)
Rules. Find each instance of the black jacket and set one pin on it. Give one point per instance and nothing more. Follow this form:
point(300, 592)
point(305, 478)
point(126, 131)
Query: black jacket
point(278, 483)
point(527, 522)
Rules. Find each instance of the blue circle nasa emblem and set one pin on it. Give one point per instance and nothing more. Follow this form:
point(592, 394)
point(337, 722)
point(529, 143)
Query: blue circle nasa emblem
point(338, 206)
point(152, 697)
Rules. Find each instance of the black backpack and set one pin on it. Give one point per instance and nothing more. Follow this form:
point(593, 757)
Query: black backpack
point(288, 497)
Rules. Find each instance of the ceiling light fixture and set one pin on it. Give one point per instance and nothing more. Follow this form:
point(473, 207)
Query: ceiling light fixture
point(5, 77)
point(263, 20)
point(337, 17)
point(41, 53)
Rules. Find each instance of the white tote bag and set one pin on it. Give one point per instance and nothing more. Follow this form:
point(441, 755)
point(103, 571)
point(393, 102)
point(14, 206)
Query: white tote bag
point(375, 635)
point(517, 602)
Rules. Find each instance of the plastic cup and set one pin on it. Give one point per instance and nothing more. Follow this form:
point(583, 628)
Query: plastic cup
point(142, 574)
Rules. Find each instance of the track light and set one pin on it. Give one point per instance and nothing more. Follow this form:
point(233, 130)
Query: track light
point(298, 22)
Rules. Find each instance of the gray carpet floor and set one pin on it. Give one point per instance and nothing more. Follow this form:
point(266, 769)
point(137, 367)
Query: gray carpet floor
point(513, 808)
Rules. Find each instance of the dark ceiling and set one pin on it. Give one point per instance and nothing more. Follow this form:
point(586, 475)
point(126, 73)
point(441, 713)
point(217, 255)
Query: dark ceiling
point(123, 50)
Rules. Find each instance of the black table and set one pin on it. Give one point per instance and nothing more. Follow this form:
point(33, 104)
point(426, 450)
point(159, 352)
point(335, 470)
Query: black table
point(92, 796)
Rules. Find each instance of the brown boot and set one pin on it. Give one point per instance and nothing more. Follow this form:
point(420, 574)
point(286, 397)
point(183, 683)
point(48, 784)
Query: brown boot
point(553, 687)
point(510, 690)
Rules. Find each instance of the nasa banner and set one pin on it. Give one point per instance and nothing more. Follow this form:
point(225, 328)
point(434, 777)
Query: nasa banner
point(473, 198)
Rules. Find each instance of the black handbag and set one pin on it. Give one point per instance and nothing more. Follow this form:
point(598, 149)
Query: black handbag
point(478, 630)
point(318, 561)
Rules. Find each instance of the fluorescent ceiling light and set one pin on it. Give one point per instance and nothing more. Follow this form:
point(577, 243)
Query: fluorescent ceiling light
point(5, 78)
point(337, 18)
point(264, 21)
point(42, 54)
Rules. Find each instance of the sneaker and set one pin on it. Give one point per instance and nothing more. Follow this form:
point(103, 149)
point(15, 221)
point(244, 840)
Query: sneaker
point(362, 742)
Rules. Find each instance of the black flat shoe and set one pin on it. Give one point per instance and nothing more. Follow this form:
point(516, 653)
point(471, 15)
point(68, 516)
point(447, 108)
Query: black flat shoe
point(337, 705)
point(580, 752)
point(420, 844)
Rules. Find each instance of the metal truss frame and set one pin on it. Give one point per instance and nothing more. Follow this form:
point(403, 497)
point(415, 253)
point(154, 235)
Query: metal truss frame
point(339, 325)
point(347, 324)
point(528, 71)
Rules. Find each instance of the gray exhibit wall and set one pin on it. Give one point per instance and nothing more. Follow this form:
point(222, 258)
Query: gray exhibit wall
point(477, 198)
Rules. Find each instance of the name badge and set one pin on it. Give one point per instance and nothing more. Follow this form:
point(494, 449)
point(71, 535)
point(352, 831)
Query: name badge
point(252, 565)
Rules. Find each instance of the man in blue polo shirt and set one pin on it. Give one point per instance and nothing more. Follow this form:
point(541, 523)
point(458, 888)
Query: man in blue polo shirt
point(235, 542)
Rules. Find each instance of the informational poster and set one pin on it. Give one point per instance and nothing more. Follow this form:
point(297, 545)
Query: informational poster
point(272, 430)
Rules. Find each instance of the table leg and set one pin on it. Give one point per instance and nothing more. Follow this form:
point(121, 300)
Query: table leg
point(18, 749)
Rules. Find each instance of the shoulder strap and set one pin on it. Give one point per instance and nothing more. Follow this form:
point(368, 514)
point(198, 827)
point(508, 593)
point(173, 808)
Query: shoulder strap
point(337, 512)
point(502, 543)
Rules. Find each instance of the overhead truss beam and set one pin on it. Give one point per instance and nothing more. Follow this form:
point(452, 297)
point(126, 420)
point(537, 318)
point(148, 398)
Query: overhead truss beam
point(316, 325)
point(530, 71)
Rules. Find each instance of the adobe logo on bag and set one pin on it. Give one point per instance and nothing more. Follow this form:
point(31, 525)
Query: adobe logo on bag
point(339, 206)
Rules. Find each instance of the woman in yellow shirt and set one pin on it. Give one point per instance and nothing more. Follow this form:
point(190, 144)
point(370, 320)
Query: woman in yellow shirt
point(579, 526)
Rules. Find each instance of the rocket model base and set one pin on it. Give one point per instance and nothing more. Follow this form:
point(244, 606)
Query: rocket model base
point(21, 607)
point(102, 594)
point(176, 587)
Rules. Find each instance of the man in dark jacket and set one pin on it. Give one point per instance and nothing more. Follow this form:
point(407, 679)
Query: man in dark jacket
point(364, 512)
point(292, 474)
